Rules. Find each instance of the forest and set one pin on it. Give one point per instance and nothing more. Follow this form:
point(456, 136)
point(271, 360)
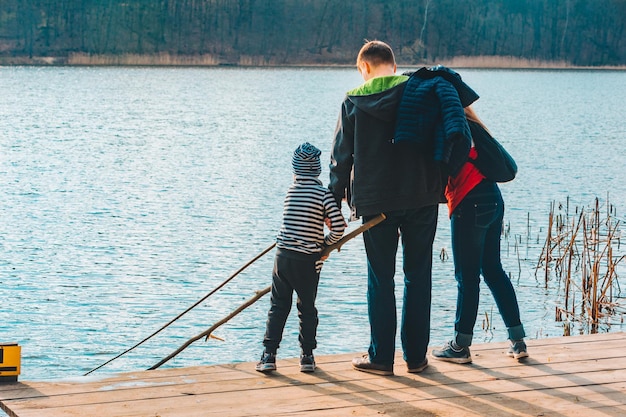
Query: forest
point(309, 32)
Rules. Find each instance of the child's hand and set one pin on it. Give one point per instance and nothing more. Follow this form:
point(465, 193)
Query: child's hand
point(329, 224)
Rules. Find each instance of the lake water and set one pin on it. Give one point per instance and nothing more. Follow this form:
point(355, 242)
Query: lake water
point(127, 194)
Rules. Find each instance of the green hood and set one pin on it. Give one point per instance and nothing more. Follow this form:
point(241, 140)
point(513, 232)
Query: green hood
point(378, 84)
point(379, 97)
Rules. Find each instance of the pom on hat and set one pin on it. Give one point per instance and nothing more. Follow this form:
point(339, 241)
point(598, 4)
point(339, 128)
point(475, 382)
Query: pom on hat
point(306, 160)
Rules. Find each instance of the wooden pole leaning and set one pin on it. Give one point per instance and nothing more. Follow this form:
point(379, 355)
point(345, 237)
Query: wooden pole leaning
point(207, 333)
point(365, 226)
point(211, 329)
point(269, 248)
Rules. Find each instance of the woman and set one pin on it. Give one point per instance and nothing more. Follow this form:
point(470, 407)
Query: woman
point(476, 210)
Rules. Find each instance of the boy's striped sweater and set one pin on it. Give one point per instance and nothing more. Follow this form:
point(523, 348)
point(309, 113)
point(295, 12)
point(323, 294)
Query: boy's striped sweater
point(307, 204)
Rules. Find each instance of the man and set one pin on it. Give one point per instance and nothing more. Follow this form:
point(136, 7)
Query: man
point(401, 180)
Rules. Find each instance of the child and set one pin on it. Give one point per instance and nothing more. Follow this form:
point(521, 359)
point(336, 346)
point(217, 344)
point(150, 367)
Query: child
point(297, 264)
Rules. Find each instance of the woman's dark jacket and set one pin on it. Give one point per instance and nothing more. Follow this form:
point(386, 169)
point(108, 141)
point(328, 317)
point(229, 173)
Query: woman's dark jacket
point(431, 113)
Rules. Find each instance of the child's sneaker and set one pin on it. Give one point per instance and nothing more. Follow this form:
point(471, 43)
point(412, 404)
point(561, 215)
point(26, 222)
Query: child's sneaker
point(518, 350)
point(267, 362)
point(307, 363)
point(450, 353)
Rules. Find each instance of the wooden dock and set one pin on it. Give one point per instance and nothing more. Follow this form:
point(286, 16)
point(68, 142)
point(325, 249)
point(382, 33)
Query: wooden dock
point(567, 376)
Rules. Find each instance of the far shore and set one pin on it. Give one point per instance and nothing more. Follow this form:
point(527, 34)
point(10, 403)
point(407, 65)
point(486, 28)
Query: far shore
point(167, 60)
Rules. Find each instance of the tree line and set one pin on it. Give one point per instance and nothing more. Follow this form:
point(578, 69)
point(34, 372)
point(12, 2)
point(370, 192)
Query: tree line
point(298, 32)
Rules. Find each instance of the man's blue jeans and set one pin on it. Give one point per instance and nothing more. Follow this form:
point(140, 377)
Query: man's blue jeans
point(476, 228)
point(417, 229)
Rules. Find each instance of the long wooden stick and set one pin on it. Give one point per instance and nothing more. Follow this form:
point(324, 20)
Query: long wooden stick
point(365, 226)
point(189, 309)
point(210, 330)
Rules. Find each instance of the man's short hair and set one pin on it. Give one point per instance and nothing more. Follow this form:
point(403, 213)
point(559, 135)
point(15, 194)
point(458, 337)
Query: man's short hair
point(376, 53)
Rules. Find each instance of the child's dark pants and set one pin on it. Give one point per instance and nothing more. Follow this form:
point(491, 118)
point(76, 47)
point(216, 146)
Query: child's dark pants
point(293, 272)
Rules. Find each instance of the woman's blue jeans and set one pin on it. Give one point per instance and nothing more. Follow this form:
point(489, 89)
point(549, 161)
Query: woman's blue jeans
point(476, 228)
point(416, 228)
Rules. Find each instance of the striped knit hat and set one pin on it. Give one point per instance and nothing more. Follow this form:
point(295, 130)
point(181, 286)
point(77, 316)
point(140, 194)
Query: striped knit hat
point(306, 160)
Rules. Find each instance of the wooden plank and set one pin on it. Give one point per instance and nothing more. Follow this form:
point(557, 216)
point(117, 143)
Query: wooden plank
point(330, 364)
point(561, 355)
point(374, 399)
point(562, 377)
point(127, 391)
point(196, 386)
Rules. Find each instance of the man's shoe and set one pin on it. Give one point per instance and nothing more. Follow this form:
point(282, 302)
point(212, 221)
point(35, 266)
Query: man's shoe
point(451, 354)
point(307, 363)
point(364, 364)
point(267, 363)
point(417, 368)
point(518, 350)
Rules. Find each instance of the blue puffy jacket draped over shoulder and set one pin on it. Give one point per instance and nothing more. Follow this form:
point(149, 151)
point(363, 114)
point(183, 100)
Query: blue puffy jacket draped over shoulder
point(431, 113)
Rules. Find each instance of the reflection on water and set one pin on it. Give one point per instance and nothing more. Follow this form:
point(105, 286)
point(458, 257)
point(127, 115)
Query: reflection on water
point(127, 194)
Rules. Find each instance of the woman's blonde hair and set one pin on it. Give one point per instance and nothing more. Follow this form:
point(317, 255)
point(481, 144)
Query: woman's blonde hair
point(470, 114)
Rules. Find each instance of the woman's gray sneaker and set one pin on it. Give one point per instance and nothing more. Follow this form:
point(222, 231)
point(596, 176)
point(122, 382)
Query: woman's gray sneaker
point(449, 353)
point(518, 350)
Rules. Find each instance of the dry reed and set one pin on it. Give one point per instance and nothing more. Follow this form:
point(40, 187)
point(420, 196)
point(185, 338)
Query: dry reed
point(581, 253)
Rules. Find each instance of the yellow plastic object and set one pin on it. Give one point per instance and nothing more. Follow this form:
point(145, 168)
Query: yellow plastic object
point(10, 356)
